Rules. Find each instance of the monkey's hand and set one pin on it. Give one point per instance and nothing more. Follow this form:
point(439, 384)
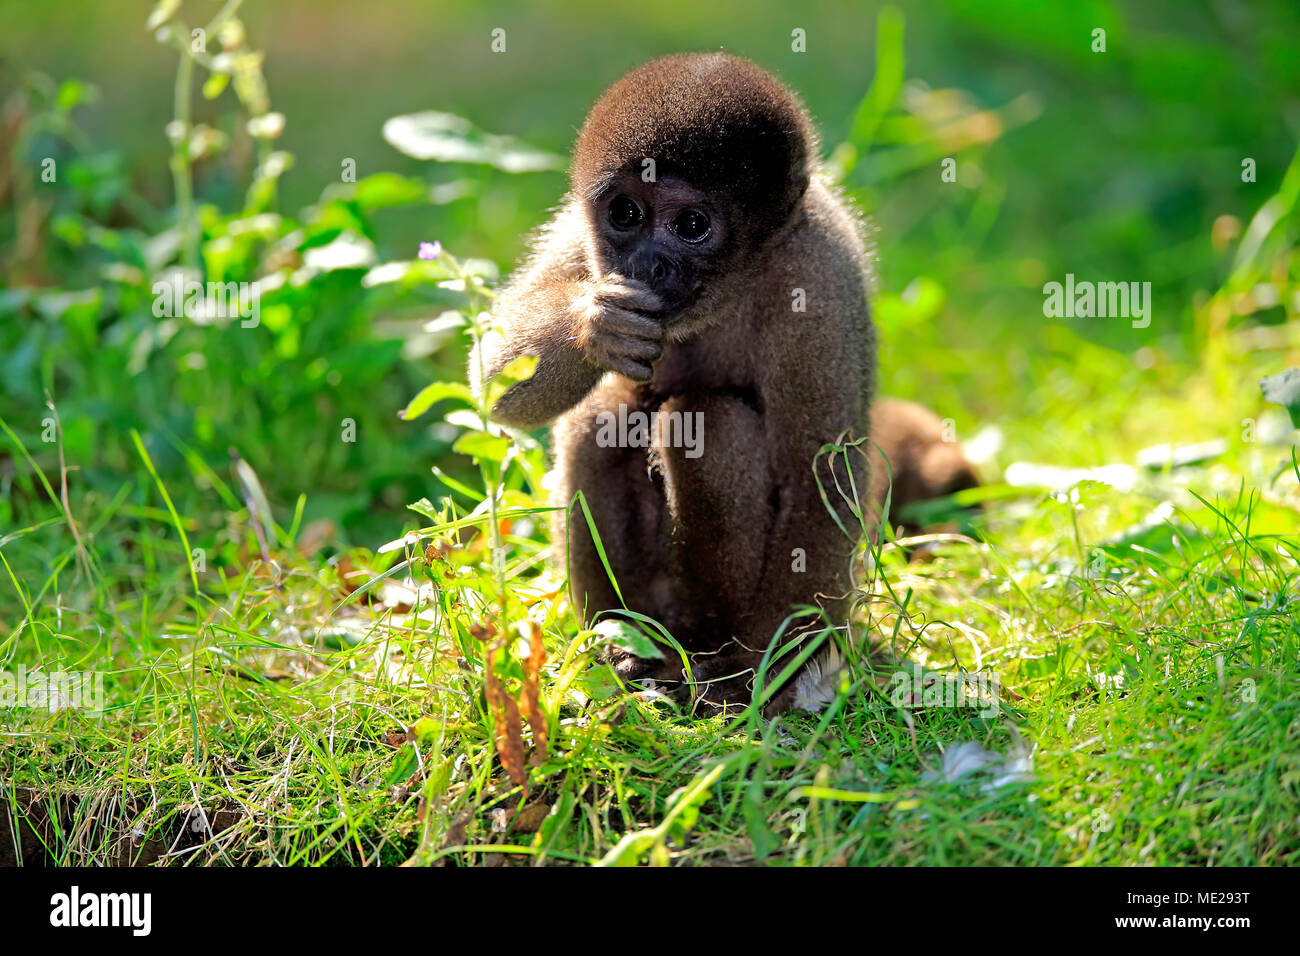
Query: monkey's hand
point(615, 327)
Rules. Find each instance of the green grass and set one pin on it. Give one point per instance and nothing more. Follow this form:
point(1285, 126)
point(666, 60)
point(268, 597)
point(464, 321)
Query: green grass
point(280, 689)
point(299, 712)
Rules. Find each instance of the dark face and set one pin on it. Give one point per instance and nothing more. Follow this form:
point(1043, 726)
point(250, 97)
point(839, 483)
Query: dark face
point(665, 234)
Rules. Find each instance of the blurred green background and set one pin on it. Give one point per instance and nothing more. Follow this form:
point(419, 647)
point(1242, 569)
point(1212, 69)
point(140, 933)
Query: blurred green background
point(1123, 165)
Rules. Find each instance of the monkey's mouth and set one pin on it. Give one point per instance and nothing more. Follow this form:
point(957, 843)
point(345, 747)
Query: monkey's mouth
point(678, 302)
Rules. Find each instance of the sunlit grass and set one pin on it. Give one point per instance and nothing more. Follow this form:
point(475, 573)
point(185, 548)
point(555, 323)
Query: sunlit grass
point(299, 712)
point(276, 695)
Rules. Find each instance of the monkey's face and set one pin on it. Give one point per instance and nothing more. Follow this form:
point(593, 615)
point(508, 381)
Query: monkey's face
point(666, 234)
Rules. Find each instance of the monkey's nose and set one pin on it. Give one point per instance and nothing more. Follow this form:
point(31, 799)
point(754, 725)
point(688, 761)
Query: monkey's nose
point(653, 268)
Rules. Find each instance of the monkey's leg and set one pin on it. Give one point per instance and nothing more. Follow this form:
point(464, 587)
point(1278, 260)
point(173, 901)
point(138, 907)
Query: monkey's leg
point(614, 483)
point(754, 538)
point(723, 505)
point(626, 501)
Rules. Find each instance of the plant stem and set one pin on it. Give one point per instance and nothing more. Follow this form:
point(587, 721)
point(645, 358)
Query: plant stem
point(490, 481)
point(180, 163)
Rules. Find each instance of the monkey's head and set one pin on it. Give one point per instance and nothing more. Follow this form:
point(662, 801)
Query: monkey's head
point(687, 164)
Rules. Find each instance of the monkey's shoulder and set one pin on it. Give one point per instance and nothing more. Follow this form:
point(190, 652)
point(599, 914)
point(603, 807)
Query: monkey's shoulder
point(825, 254)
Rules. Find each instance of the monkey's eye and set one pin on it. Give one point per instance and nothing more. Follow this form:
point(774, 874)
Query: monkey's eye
point(624, 212)
point(691, 225)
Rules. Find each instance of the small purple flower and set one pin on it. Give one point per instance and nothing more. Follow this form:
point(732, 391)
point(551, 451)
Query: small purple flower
point(430, 250)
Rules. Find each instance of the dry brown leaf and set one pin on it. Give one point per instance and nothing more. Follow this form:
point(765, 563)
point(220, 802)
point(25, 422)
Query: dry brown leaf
point(529, 818)
point(540, 598)
point(439, 549)
point(532, 705)
point(396, 738)
point(507, 723)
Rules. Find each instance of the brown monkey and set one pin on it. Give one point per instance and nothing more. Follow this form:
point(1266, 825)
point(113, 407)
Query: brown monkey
point(699, 269)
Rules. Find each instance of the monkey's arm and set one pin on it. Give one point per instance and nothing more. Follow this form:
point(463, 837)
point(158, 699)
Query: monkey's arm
point(578, 326)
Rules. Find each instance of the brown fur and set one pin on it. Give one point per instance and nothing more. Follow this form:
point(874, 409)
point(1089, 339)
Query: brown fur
point(704, 545)
point(922, 461)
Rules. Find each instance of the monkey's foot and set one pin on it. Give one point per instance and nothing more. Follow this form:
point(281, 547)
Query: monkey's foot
point(666, 675)
point(714, 684)
point(724, 681)
point(721, 682)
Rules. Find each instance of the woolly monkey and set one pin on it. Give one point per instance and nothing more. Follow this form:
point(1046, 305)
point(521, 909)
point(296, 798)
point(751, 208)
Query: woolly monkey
point(698, 309)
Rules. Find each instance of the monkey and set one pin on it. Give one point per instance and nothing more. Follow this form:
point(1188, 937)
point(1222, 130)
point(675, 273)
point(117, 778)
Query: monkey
point(700, 271)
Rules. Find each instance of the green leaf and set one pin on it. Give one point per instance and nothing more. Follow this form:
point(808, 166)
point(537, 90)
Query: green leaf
point(629, 850)
point(164, 11)
point(427, 730)
point(556, 822)
point(214, 85)
point(629, 637)
point(685, 821)
point(349, 250)
point(599, 683)
point(519, 370)
point(1157, 533)
point(402, 767)
point(886, 84)
point(408, 272)
point(1284, 389)
point(482, 445)
point(916, 306)
point(431, 394)
point(73, 93)
point(447, 138)
point(389, 189)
